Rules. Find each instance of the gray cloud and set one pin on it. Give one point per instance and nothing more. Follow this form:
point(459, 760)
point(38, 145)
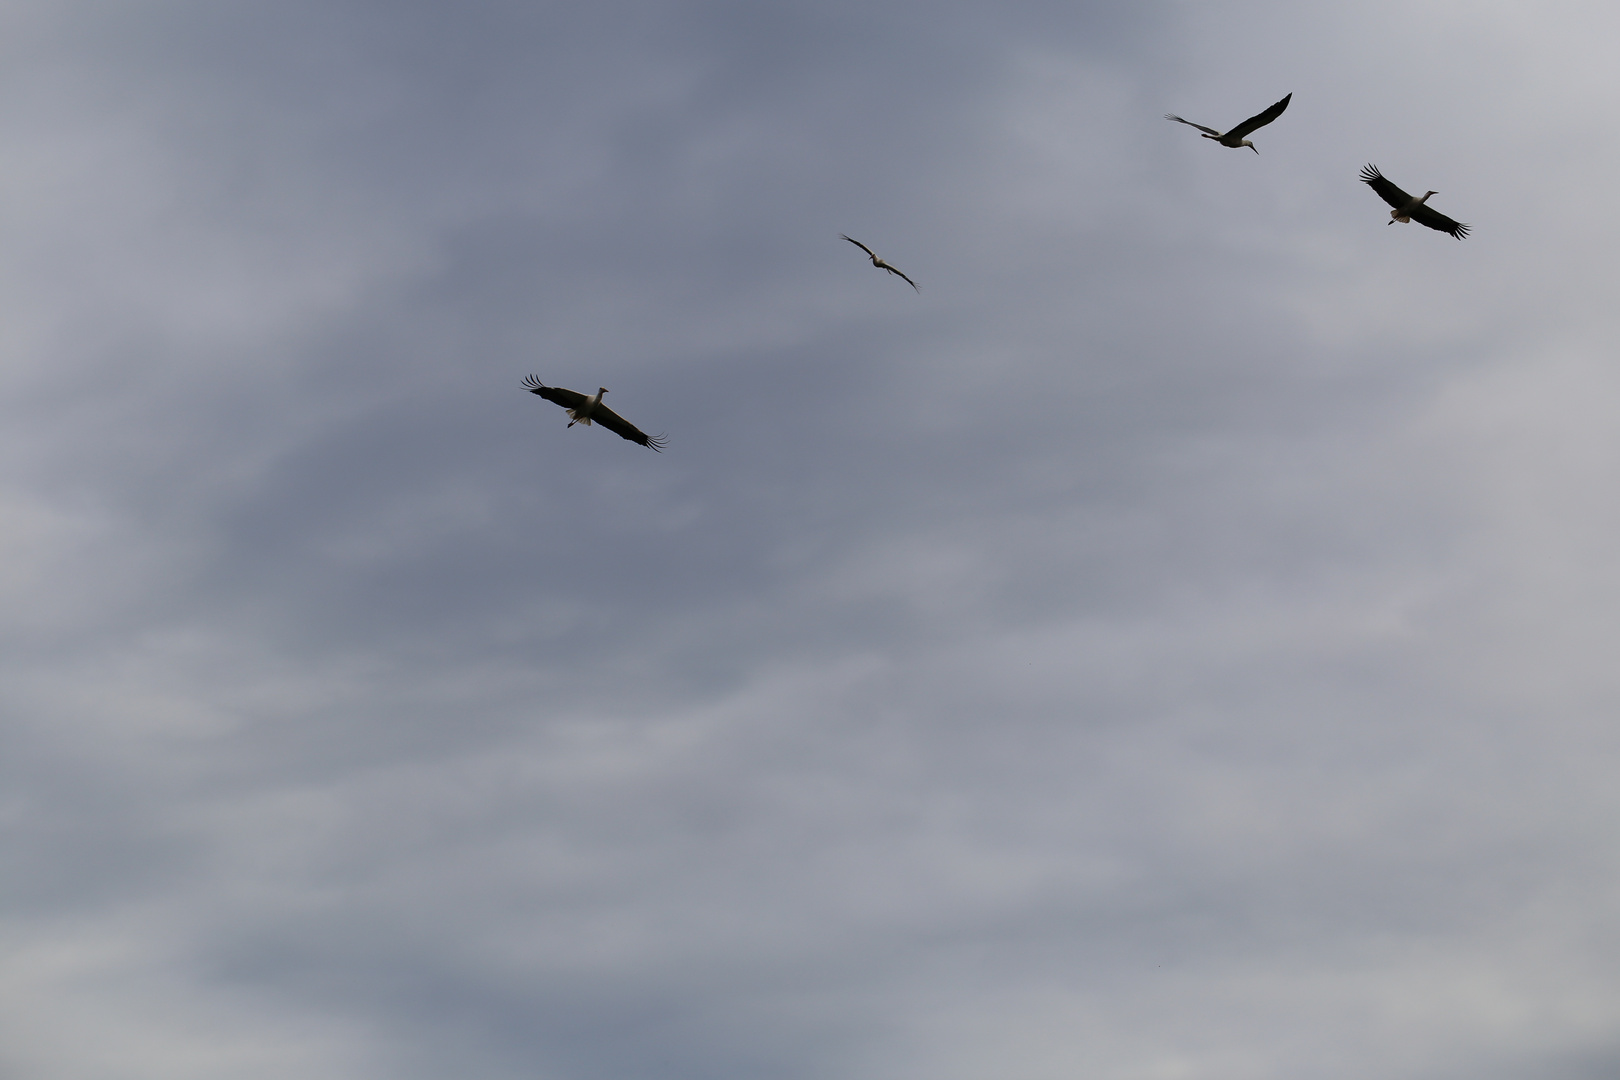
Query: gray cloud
point(1174, 643)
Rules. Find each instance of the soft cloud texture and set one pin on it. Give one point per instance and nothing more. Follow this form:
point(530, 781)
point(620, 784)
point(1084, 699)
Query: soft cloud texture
point(1175, 645)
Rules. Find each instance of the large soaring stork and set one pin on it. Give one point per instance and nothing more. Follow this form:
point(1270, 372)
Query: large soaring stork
point(590, 410)
point(1409, 208)
point(879, 263)
point(1235, 138)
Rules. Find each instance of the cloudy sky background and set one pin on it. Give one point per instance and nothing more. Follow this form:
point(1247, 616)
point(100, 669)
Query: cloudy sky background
point(1177, 644)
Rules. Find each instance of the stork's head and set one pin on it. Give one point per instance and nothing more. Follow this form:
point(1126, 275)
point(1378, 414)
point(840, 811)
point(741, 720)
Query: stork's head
point(1249, 144)
point(600, 390)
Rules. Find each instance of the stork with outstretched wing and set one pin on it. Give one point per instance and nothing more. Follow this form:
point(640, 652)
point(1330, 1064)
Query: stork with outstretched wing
point(1410, 208)
point(1236, 138)
point(879, 263)
point(590, 410)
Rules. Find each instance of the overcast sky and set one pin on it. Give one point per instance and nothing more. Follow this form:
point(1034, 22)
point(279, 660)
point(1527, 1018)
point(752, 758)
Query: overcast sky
point(1178, 643)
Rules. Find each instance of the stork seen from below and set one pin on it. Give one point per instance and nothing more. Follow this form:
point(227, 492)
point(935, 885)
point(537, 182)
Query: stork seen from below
point(879, 263)
point(1410, 208)
point(1235, 137)
point(590, 410)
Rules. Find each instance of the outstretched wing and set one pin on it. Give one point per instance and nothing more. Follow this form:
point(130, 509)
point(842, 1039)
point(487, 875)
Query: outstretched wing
point(1189, 123)
point(1386, 190)
point(901, 276)
point(1434, 219)
point(1260, 120)
point(606, 417)
point(858, 244)
point(568, 399)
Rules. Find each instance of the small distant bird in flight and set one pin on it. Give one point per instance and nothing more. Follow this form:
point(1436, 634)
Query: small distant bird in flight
point(1409, 209)
point(589, 410)
point(1235, 137)
point(879, 263)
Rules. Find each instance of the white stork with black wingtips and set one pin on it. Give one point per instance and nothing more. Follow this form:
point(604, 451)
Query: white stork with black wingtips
point(590, 410)
point(1410, 208)
point(1235, 138)
point(879, 263)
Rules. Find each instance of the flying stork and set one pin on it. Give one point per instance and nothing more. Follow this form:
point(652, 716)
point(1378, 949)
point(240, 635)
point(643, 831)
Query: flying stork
point(1409, 209)
point(1234, 138)
point(879, 263)
point(588, 410)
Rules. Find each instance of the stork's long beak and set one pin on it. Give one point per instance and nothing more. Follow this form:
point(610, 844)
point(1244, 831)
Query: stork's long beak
point(1254, 148)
